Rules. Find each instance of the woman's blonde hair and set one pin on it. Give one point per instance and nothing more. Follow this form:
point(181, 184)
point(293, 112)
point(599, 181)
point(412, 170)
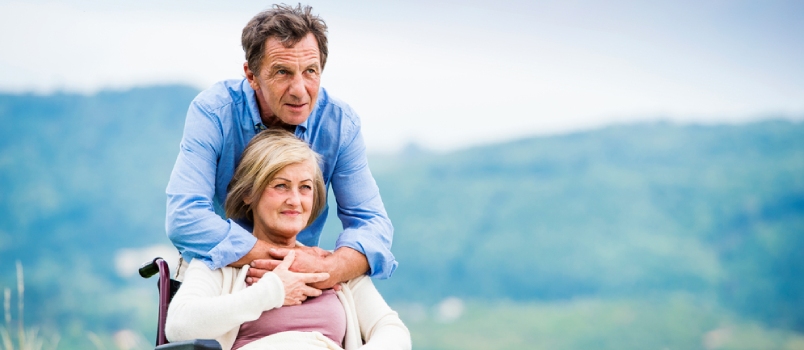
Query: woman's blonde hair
point(265, 155)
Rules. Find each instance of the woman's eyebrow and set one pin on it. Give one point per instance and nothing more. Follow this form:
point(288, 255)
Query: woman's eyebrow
point(287, 180)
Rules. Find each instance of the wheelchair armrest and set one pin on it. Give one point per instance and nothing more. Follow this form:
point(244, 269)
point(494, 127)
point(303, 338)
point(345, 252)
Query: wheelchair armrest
point(197, 344)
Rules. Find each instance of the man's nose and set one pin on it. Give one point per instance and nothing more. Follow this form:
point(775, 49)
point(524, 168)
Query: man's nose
point(297, 86)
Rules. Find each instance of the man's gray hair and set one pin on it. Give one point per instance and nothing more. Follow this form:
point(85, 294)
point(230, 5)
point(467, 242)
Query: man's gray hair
point(287, 24)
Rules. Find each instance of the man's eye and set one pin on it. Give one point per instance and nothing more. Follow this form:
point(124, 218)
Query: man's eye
point(281, 72)
point(311, 71)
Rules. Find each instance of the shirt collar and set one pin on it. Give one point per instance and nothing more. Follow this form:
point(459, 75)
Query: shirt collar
point(251, 97)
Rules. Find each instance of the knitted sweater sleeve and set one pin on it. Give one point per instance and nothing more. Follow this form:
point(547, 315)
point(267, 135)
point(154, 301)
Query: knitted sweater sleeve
point(380, 326)
point(206, 307)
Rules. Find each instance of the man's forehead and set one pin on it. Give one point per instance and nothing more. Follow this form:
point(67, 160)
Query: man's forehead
point(305, 48)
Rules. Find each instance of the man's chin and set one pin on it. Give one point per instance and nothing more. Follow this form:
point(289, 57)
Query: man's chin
point(295, 118)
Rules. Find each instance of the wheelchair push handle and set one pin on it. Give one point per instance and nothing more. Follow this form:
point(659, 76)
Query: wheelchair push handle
point(150, 268)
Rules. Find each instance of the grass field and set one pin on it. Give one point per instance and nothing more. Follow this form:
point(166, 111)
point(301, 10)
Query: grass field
point(663, 322)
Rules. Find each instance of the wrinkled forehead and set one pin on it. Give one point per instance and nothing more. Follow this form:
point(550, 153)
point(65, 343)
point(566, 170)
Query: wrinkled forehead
point(304, 51)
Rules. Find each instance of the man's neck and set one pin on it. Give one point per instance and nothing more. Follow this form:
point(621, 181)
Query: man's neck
point(270, 120)
point(274, 123)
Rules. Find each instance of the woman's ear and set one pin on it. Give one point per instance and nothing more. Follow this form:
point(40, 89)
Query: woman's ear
point(247, 200)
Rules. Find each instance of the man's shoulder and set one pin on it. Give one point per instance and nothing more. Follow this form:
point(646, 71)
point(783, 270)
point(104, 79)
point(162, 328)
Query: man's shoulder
point(223, 94)
point(335, 109)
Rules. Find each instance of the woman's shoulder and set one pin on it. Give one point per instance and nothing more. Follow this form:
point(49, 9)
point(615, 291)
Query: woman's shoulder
point(197, 268)
point(358, 282)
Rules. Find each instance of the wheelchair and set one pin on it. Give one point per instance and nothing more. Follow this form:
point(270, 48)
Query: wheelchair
point(167, 289)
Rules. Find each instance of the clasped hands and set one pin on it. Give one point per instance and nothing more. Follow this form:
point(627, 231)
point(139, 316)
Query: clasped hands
point(300, 269)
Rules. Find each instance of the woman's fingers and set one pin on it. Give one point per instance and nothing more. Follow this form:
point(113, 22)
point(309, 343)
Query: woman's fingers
point(296, 288)
point(310, 292)
point(263, 265)
point(285, 264)
point(308, 278)
point(301, 294)
point(279, 253)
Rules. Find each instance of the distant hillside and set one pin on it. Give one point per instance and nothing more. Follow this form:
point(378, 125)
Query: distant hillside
point(624, 210)
point(620, 211)
point(80, 177)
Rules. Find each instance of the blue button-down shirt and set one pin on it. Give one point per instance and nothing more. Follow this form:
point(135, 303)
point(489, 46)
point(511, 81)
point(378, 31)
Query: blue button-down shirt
point(220, 122)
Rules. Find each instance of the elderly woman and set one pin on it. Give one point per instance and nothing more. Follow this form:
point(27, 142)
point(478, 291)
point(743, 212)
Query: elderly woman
point(278, 186)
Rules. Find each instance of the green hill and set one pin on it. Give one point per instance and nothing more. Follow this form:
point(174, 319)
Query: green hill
point(619, 213)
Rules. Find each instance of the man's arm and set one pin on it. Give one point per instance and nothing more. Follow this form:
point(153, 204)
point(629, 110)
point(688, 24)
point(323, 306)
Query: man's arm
point(192, 224)
point(262, 250)
point(367, 228)
point(365, 243)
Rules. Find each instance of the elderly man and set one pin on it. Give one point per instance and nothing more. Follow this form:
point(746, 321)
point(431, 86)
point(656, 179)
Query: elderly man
point(286, 50)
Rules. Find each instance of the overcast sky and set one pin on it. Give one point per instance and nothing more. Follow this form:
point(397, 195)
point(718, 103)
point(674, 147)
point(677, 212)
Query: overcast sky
point(445, 74)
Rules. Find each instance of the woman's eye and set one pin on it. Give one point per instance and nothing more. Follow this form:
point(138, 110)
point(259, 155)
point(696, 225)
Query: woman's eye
point(281, 186)
point(306, 188)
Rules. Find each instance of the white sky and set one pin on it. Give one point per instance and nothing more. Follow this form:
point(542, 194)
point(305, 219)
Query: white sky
point(445, 74)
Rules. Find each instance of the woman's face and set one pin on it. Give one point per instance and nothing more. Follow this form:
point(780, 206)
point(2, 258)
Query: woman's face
point(286, 203)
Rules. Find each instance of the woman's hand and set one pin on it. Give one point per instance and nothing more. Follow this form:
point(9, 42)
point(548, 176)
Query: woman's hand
point(295, 283)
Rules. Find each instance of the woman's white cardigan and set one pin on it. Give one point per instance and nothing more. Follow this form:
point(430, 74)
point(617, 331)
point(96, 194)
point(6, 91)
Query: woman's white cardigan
point(213, 304)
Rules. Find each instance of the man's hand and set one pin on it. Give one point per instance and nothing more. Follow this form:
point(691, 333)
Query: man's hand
point(295, 283)
point(308, 259)
point(342, 265)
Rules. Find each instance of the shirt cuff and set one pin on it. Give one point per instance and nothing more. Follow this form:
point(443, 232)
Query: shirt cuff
point(382, 263)
point(234, 247)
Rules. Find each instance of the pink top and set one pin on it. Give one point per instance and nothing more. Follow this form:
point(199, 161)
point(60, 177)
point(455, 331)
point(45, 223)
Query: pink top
point(324, 314)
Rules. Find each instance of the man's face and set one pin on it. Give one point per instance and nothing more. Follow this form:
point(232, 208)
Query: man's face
point(288, 81)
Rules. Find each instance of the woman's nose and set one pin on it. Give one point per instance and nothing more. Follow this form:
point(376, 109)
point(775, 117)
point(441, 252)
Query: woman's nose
point(294, 197)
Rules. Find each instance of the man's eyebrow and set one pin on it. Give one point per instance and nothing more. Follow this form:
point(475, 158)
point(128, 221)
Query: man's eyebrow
point(277, 66)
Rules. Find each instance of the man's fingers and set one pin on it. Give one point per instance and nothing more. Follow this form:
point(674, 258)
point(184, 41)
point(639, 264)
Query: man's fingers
point(326, 284)
point(279, 253)
point(285, 264)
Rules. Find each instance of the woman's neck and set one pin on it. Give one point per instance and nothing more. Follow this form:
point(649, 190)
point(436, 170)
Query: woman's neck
point(277, 240)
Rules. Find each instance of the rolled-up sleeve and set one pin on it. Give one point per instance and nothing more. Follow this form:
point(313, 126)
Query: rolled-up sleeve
point(366, 226)
point(192, 223)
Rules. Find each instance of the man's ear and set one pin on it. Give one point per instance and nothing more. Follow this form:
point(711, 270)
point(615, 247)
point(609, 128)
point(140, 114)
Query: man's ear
point(250, 77)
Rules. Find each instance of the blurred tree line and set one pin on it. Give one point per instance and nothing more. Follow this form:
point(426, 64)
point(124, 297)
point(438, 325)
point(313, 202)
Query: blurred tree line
point(623, 211)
